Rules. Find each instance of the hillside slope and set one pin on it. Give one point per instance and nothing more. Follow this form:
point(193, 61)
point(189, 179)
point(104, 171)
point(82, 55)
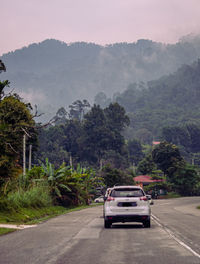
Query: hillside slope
point(54, 74)
point(170, 100)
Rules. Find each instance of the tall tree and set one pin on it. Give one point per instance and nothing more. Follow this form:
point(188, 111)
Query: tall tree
point(102, 131)
point(146, 165)
point(78, 108)
point(135, 151)
point(167, 157)
point(2, 86)
point(72, 133)
point(185, 179)
point(96, 137)
point(15, 120)
point(116, 116)
point(61, 116)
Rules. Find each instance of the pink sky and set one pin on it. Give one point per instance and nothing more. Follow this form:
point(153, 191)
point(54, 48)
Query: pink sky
point(100, 21)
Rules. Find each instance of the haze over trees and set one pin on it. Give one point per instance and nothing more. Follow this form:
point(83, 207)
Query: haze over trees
point(53, 74)
point(93, 140)
point(130, 112)
point(172, 100)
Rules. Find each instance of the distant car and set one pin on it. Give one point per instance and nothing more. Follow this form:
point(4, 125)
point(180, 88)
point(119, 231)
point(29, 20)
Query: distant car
point(99, 199)
point(127, 204)
point(150, 199)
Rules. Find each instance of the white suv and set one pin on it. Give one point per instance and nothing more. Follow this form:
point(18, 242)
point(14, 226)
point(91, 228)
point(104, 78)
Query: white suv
point(127, 204)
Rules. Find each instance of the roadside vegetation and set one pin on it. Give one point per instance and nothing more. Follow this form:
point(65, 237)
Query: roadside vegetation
point(76, 157)
point(4, 231)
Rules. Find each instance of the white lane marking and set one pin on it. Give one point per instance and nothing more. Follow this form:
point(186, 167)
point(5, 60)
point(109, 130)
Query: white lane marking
point(174, 237)
point(163, 204)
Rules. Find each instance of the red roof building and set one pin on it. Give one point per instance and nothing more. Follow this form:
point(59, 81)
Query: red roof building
point(156, 142)
point(145, 179)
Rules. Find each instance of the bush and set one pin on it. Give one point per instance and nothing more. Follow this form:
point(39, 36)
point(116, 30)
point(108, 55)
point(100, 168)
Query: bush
point(36, 197)
point(4, 204)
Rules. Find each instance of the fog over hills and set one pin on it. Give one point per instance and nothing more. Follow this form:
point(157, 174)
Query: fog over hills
point(52, 74)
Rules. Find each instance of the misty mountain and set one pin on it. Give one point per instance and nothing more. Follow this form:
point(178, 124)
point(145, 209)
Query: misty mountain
point(52, 74)
point(172, 100)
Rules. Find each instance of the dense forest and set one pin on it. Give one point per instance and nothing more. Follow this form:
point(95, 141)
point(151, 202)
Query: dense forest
point(88, 145)
point(80, 153)
point(53, 74)
point(172, 100)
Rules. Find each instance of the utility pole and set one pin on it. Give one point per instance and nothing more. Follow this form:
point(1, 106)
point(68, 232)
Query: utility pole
point(101, 164)
point(24, 150)
point(71, 162)
point(30, 157)
point(24, 154)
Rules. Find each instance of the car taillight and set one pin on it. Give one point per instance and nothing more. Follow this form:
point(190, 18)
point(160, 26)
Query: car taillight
point(110, 199)
point(143, 198)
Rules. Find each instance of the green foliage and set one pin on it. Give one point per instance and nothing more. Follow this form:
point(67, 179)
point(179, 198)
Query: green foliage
point(96, 134)
point(56, 178)
point(113, 176)
point(95, 139)
point(146, 165)
point(185, 180)
point(44, 185)
point(197, 188)
point(116, 117)
point(102, 132)
point(67, 186)
point(185, 136)
point(135, 151)
point(166, 186)
point(72, 138)
point(35, 197)
point(80, 68)
point(182, 177)
point(78, 108)
point(167, 157)
point(3, 84)
point(30, 215)
point(170, 101)
point(61, 116)
point(15, 116)
point(4, 231)
point(115, 159)
point(51, 145)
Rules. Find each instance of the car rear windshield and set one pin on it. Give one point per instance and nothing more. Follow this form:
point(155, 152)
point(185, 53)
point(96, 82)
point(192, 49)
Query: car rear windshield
point(127, 192)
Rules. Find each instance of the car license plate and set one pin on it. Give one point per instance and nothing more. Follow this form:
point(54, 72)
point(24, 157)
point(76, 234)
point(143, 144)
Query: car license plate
point(127, 204)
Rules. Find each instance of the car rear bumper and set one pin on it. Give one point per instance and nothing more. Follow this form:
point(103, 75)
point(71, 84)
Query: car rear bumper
point(127, 218)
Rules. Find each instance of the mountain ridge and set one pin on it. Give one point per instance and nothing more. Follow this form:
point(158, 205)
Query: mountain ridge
point(52, 73)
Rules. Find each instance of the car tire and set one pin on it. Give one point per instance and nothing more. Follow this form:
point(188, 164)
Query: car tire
point(147, 223)
point(107, 224)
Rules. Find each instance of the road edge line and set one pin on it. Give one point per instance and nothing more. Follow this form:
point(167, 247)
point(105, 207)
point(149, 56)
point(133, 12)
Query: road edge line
point(174, 237)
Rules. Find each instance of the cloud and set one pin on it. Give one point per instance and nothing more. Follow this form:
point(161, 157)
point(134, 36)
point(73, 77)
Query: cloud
point(99, 21)
point(33, 98)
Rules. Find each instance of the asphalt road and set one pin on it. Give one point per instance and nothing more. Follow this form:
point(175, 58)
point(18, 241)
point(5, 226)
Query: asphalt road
point(79, 238)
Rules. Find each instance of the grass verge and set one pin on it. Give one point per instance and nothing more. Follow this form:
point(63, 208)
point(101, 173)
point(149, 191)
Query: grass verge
point(4, 231)
point(170, 195)
point(36, 215)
